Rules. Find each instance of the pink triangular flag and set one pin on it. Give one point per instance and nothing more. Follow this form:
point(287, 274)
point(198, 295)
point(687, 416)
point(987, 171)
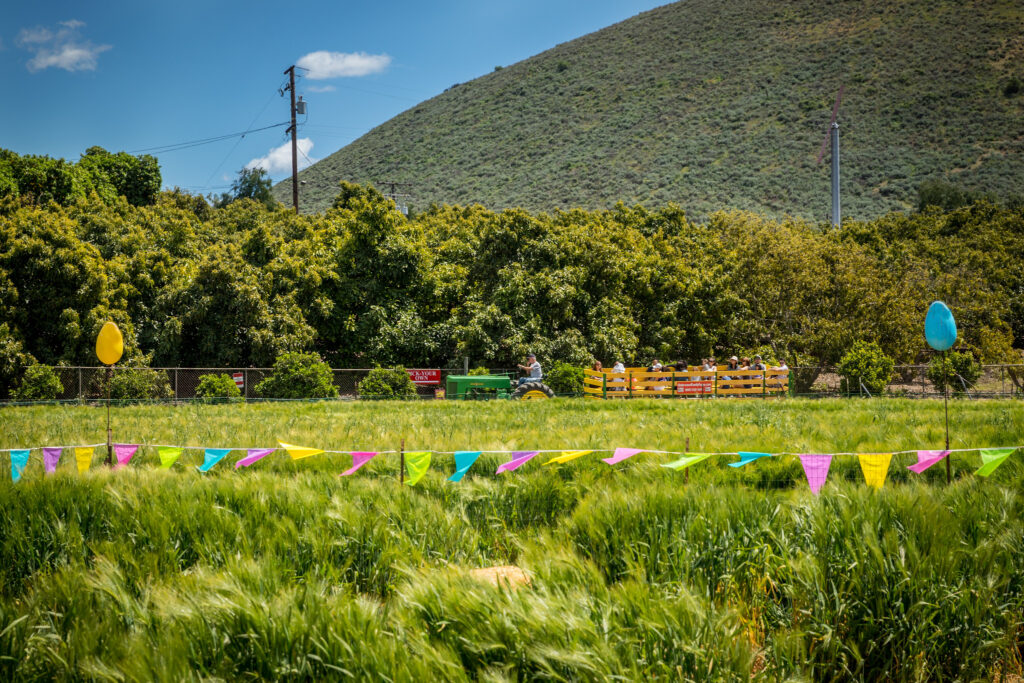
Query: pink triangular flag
point(359, 458)
point(816, 469)
point(926, 459)
point(622, 454)
point(51, 456)
point(252, 455)
point(519, 458)
point(124, 452)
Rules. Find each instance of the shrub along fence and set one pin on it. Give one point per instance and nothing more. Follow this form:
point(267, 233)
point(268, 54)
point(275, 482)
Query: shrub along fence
point(85, 383)
point(181, 383)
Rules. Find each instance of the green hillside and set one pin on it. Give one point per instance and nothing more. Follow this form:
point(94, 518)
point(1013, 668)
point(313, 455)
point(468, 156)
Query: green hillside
point(716, 105)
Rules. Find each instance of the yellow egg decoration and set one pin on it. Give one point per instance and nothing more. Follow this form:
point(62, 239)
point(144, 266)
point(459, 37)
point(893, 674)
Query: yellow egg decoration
point(109, 344)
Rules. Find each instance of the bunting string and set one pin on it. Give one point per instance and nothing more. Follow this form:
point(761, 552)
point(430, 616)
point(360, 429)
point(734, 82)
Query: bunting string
point(874, 466)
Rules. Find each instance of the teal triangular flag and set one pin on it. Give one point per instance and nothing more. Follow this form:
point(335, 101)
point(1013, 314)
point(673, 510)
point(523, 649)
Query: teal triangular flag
point(19, 461)
point(212, 456)
point(463, 461)
point(746, 458)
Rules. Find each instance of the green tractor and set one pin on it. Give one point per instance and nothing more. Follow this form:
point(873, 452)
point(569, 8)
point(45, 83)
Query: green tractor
point(483, 387)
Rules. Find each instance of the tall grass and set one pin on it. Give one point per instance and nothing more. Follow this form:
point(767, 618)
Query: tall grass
point(287, 571)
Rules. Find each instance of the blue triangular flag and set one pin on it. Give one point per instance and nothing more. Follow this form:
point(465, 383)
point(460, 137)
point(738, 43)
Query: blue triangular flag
point(463, 461)
point(212, 456)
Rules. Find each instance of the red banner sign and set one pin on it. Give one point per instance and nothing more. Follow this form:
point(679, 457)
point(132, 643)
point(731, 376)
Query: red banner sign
point(425, 377)
point(694, 387)
point(239, 379)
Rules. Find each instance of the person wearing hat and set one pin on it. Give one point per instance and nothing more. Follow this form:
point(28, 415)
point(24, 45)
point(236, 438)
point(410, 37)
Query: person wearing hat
point(533, 368)
point(734, 364)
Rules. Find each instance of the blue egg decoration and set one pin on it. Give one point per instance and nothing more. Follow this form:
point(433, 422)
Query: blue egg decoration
point(939, 327)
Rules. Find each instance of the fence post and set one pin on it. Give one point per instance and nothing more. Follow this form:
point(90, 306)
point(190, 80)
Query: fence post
point(401, 464)
point(245, 382)
point(604, 386)
point(175, 384)
point(80, 394)
point(686, 450)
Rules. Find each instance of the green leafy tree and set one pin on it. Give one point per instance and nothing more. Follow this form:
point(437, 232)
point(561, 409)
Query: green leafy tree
point(136, 178)
point(565, 379)
point(251, 183)
point(13, 360)
point(133, 381)
point(957, 371)
point(214, 386)
point(298, 375)
point(866, 364)
point(39, 383)
point(387, 383)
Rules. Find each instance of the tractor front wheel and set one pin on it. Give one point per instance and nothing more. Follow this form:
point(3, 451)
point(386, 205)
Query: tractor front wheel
point(532, 391)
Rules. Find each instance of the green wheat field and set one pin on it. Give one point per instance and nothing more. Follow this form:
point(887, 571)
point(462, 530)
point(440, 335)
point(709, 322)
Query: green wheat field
point(286, 571)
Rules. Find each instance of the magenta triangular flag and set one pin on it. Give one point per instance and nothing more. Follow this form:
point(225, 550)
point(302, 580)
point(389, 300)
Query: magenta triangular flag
point(252, 455)
point(816, 468)
point(51, 456)
point(124, 452)
point(359, 458)
point(622, 454)
point(926, 459)
point(519, 458)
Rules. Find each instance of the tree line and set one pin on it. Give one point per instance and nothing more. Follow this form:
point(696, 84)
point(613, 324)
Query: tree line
point(238, 283)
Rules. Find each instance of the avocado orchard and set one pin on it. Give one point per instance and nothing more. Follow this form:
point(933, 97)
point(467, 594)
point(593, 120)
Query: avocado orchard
point(240, 285)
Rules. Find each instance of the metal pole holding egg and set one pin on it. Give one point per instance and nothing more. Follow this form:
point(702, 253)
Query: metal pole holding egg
point(109, 348)
point(940, 333)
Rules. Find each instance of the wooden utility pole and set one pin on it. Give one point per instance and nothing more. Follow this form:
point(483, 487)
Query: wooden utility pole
point(295, 149)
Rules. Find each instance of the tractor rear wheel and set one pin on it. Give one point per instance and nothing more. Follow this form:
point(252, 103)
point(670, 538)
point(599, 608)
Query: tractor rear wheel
point(532, 391)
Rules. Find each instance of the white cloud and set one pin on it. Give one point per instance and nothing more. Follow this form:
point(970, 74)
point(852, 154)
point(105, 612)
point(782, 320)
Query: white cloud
point(279, 159)
point(38, 34)
point(323, 64)
point(63, 48)
point(321, 88)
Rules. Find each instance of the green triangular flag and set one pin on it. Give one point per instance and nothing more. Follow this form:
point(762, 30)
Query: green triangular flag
point(993, 458)
point(686, 461)
point(416, 465)
point(168, 455)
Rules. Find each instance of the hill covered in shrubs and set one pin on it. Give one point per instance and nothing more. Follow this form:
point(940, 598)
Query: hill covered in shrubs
point(716, 106)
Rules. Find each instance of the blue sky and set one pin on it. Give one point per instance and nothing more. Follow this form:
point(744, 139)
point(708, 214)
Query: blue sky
point(131, 76)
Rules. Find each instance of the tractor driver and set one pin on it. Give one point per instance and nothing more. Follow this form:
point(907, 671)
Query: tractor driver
point(533, 368)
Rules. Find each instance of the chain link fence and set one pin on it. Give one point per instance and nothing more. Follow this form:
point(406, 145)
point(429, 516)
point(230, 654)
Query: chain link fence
point(85, 383)
point(911, 381)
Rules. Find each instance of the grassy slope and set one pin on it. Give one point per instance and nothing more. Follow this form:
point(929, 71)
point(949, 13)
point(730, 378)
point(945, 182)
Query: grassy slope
point(720, 105)
point(286, 571)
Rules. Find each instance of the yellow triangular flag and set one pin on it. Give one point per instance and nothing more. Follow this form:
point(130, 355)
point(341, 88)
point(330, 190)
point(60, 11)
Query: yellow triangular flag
point(875, 467)
point(566, 456)
point(299, 451)
point(83, 456)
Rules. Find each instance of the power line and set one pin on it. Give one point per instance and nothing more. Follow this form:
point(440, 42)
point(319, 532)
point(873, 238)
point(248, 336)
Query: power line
point(239, 140)
point(204, 141)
